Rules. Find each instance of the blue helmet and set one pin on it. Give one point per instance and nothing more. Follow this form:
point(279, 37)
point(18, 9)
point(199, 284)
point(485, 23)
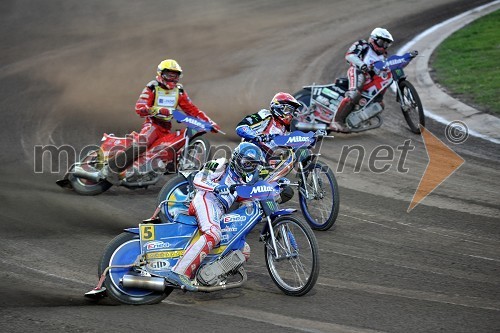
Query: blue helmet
point(247, 160)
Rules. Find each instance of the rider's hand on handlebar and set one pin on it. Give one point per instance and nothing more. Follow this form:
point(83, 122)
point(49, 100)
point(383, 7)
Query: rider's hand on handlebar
point(283, 182)
point(320, 132)
point(153, 111)
point(364, 68)
point(222, 189)
point(264, 138)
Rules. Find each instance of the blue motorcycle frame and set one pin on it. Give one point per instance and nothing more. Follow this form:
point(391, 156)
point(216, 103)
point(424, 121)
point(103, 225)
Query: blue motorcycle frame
point(134, 264)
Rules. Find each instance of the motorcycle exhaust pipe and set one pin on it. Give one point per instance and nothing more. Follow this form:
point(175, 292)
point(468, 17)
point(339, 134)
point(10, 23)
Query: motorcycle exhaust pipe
point(305, 127)
point(80, 173)
point(143, 282)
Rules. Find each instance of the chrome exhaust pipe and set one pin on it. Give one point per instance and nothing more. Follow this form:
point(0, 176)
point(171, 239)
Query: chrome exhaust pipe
point(143, 282)
point(79, 172)
point(309, 127)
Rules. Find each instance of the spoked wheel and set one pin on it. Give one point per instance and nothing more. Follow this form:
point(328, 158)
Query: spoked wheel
point(176, 191)
point(122, 251)
point(320, 203)
point(294, 268)
point(91, 162)
point(196, 155)
point(411, 106)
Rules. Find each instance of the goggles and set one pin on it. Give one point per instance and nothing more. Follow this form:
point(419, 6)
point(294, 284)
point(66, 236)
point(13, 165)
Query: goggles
point(383, 42)
point(170, 75)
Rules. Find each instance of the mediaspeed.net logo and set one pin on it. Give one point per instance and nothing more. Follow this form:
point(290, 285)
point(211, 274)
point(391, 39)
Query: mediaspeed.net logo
point(442, 160)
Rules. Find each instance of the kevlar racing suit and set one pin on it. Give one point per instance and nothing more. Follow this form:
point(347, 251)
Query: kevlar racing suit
point(359, 56)
point(208, 207)
point(155, 95)
point(253, 126)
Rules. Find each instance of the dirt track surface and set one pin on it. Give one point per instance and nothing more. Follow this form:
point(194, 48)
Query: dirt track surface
point(71, 70)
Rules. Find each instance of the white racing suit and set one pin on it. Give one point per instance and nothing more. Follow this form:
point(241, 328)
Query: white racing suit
point(208, 208)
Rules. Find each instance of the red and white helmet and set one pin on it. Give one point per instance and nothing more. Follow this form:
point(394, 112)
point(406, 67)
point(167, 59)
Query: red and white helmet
point(169, 72)
point(380, 40)
point(283, 106)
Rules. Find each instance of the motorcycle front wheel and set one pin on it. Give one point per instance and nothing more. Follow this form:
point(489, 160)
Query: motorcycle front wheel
point(411, 106)
point(176, 191)
point(122, 251)
point(319, 196)
point(294, 266)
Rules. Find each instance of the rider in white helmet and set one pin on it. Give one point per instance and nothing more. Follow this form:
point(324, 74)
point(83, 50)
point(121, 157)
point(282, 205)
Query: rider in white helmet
point(360, 56)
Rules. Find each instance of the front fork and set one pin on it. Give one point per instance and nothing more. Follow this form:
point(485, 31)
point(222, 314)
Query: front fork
point(288, 242)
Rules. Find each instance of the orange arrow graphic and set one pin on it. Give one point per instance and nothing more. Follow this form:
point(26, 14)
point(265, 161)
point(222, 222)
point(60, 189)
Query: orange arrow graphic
point(443, 162)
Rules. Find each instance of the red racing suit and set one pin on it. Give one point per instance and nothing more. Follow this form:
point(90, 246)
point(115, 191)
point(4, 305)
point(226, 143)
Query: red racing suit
point(360, 53)
point(156, 95)
point(208, 207)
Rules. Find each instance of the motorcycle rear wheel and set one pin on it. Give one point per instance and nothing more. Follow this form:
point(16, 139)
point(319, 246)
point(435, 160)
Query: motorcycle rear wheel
point(295, 268)
point(123, 250)
point(411, 106)
point(322, 207)
point(197, 154)
point(86, 186)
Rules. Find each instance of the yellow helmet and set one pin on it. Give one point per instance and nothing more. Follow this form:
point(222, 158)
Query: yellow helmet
point(169, 73)
point(169, 65)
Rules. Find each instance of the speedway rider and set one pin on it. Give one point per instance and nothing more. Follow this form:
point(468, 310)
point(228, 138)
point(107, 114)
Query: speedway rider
point(156, 103)
point(213, 199)
point(263, 126)
point(360, 56)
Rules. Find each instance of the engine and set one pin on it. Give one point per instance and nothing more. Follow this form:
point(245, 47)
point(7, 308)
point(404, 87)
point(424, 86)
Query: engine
point(355, 118)
point(217, 271)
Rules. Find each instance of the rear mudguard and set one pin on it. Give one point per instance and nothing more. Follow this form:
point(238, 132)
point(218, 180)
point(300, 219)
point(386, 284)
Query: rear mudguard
point(132, 230)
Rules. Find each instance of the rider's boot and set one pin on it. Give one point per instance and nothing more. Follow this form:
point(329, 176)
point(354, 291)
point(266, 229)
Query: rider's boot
point(338, 123)
point(180, 280)
point(120, 162)
point(246, 251)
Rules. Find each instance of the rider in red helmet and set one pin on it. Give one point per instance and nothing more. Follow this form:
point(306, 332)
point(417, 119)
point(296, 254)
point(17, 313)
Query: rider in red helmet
point(262, 126)
point(360, 56)
point(156, 103)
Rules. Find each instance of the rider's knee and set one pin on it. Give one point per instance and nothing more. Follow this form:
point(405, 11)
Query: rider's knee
point(214, 235)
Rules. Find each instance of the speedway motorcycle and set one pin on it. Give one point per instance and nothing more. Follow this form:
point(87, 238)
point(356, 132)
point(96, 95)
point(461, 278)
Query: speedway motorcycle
point(189, 148)
point(320, 102)
point(315, 181)
point(134, 263)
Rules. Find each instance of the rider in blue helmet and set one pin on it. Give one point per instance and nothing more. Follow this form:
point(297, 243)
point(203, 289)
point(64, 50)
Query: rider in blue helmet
point(213, 199)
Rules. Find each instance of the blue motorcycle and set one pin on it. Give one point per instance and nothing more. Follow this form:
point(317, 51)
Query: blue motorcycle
point(314, 180)
point(134, 263)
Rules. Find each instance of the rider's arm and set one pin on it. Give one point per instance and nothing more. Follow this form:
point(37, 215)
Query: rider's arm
point(206, 178)
point(146, 100)
point(356, 52)
point(248, 128)
point(189, 107)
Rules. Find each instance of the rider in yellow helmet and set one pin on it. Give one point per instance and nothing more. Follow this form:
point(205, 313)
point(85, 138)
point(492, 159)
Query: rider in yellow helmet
point(156, 103)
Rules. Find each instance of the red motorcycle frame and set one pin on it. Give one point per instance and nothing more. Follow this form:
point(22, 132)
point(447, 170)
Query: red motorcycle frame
point(183, 149)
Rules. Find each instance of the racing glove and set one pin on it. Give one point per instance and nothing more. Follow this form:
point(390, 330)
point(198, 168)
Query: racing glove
point(221, 189)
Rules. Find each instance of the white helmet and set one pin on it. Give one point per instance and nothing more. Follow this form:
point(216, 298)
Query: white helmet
point(380, 39)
